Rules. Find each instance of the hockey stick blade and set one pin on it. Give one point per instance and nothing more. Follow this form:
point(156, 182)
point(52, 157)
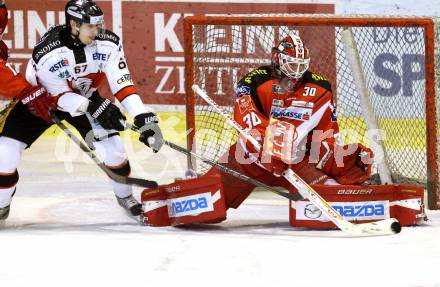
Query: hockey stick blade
point(383, 227)
point(292, 196)
point(116, 177)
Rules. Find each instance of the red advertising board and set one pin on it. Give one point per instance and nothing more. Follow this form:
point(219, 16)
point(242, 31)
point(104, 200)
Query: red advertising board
point(152, 35)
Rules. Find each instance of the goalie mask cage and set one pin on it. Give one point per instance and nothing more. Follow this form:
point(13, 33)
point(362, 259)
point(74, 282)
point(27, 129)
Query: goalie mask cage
point(382, 72)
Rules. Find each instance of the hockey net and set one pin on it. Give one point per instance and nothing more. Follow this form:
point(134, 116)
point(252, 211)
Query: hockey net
point(396, 92)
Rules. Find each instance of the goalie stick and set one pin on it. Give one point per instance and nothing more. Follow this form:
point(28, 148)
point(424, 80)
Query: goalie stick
point(381, 227)
point(291, 196)
point(116, 177)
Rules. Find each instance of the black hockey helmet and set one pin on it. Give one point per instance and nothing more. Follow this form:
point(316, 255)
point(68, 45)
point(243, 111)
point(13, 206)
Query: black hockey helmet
point(84, 11)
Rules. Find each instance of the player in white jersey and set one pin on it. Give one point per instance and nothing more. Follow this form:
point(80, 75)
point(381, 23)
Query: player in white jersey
point(71, 61)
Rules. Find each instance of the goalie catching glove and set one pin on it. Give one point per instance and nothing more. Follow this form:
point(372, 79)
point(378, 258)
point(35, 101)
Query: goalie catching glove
point(151, 135)
point(348, 164)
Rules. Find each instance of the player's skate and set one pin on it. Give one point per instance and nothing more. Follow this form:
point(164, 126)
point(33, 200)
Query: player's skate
point(131, 205)
point(4, 213)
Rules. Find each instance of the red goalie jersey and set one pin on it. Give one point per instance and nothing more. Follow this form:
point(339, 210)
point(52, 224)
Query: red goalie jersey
point(296, 125)
point(290, 111)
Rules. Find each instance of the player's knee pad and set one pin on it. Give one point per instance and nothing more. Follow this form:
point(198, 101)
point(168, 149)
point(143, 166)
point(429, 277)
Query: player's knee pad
point(123, 170)
point(7, 188)
point(122, 190)
point(111, 151)
point(10, 154)
point(8, 180)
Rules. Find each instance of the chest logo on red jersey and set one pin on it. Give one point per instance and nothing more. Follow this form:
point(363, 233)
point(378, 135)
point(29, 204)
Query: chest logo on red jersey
point(277, 89)
point(302, 104)
point(292, 113)
point(277, 103)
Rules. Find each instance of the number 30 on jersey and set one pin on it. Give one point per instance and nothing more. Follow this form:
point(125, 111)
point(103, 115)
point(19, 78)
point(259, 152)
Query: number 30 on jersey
point(308, 91)
point(251, 120)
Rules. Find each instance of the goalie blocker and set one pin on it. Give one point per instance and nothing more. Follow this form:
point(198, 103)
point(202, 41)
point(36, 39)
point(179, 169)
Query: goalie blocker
point(201, 200)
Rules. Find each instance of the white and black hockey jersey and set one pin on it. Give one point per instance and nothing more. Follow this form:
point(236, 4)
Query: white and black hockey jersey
point(74, 72)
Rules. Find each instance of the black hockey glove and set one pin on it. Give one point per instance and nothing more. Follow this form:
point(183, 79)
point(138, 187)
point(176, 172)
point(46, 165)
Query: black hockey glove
point(151, 135)
point(107, 114)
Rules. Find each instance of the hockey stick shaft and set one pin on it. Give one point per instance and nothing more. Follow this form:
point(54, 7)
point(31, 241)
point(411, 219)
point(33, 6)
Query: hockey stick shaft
point(291, 196)
point(389, 226)
point(115, 177)
point(5, 108)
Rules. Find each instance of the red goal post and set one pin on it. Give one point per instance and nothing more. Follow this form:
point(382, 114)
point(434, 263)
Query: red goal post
point(382, 71)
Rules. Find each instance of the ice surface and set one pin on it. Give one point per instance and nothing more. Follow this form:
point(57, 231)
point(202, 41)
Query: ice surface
point(66, 229)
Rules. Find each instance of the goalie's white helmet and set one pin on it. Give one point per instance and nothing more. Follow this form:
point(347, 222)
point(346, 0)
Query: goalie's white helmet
point(290, 58)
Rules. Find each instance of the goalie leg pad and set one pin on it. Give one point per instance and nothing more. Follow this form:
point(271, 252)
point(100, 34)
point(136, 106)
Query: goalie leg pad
point(196, 200)
point(236, 190)
point(362, 203)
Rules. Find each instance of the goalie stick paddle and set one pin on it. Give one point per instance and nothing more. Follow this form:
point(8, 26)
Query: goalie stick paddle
point(291, 196)
point(381, 227)
point(116, 177)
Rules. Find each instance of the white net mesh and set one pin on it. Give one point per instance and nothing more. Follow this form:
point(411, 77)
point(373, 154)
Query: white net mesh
point(393, 64)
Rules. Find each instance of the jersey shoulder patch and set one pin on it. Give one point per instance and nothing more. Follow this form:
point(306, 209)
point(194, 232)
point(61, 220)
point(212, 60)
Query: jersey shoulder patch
point(257, 77)
point(49, 42)
point(317, 79)
point(109, 36)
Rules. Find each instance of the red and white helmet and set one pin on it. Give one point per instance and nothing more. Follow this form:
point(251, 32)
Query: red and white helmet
point(290, 58)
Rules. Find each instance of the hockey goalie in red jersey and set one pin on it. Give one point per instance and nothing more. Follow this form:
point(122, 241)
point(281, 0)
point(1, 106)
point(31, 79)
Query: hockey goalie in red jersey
point(291, 112)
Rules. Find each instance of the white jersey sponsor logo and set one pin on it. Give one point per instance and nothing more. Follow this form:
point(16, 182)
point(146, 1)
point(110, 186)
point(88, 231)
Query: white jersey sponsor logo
point(59, 64)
